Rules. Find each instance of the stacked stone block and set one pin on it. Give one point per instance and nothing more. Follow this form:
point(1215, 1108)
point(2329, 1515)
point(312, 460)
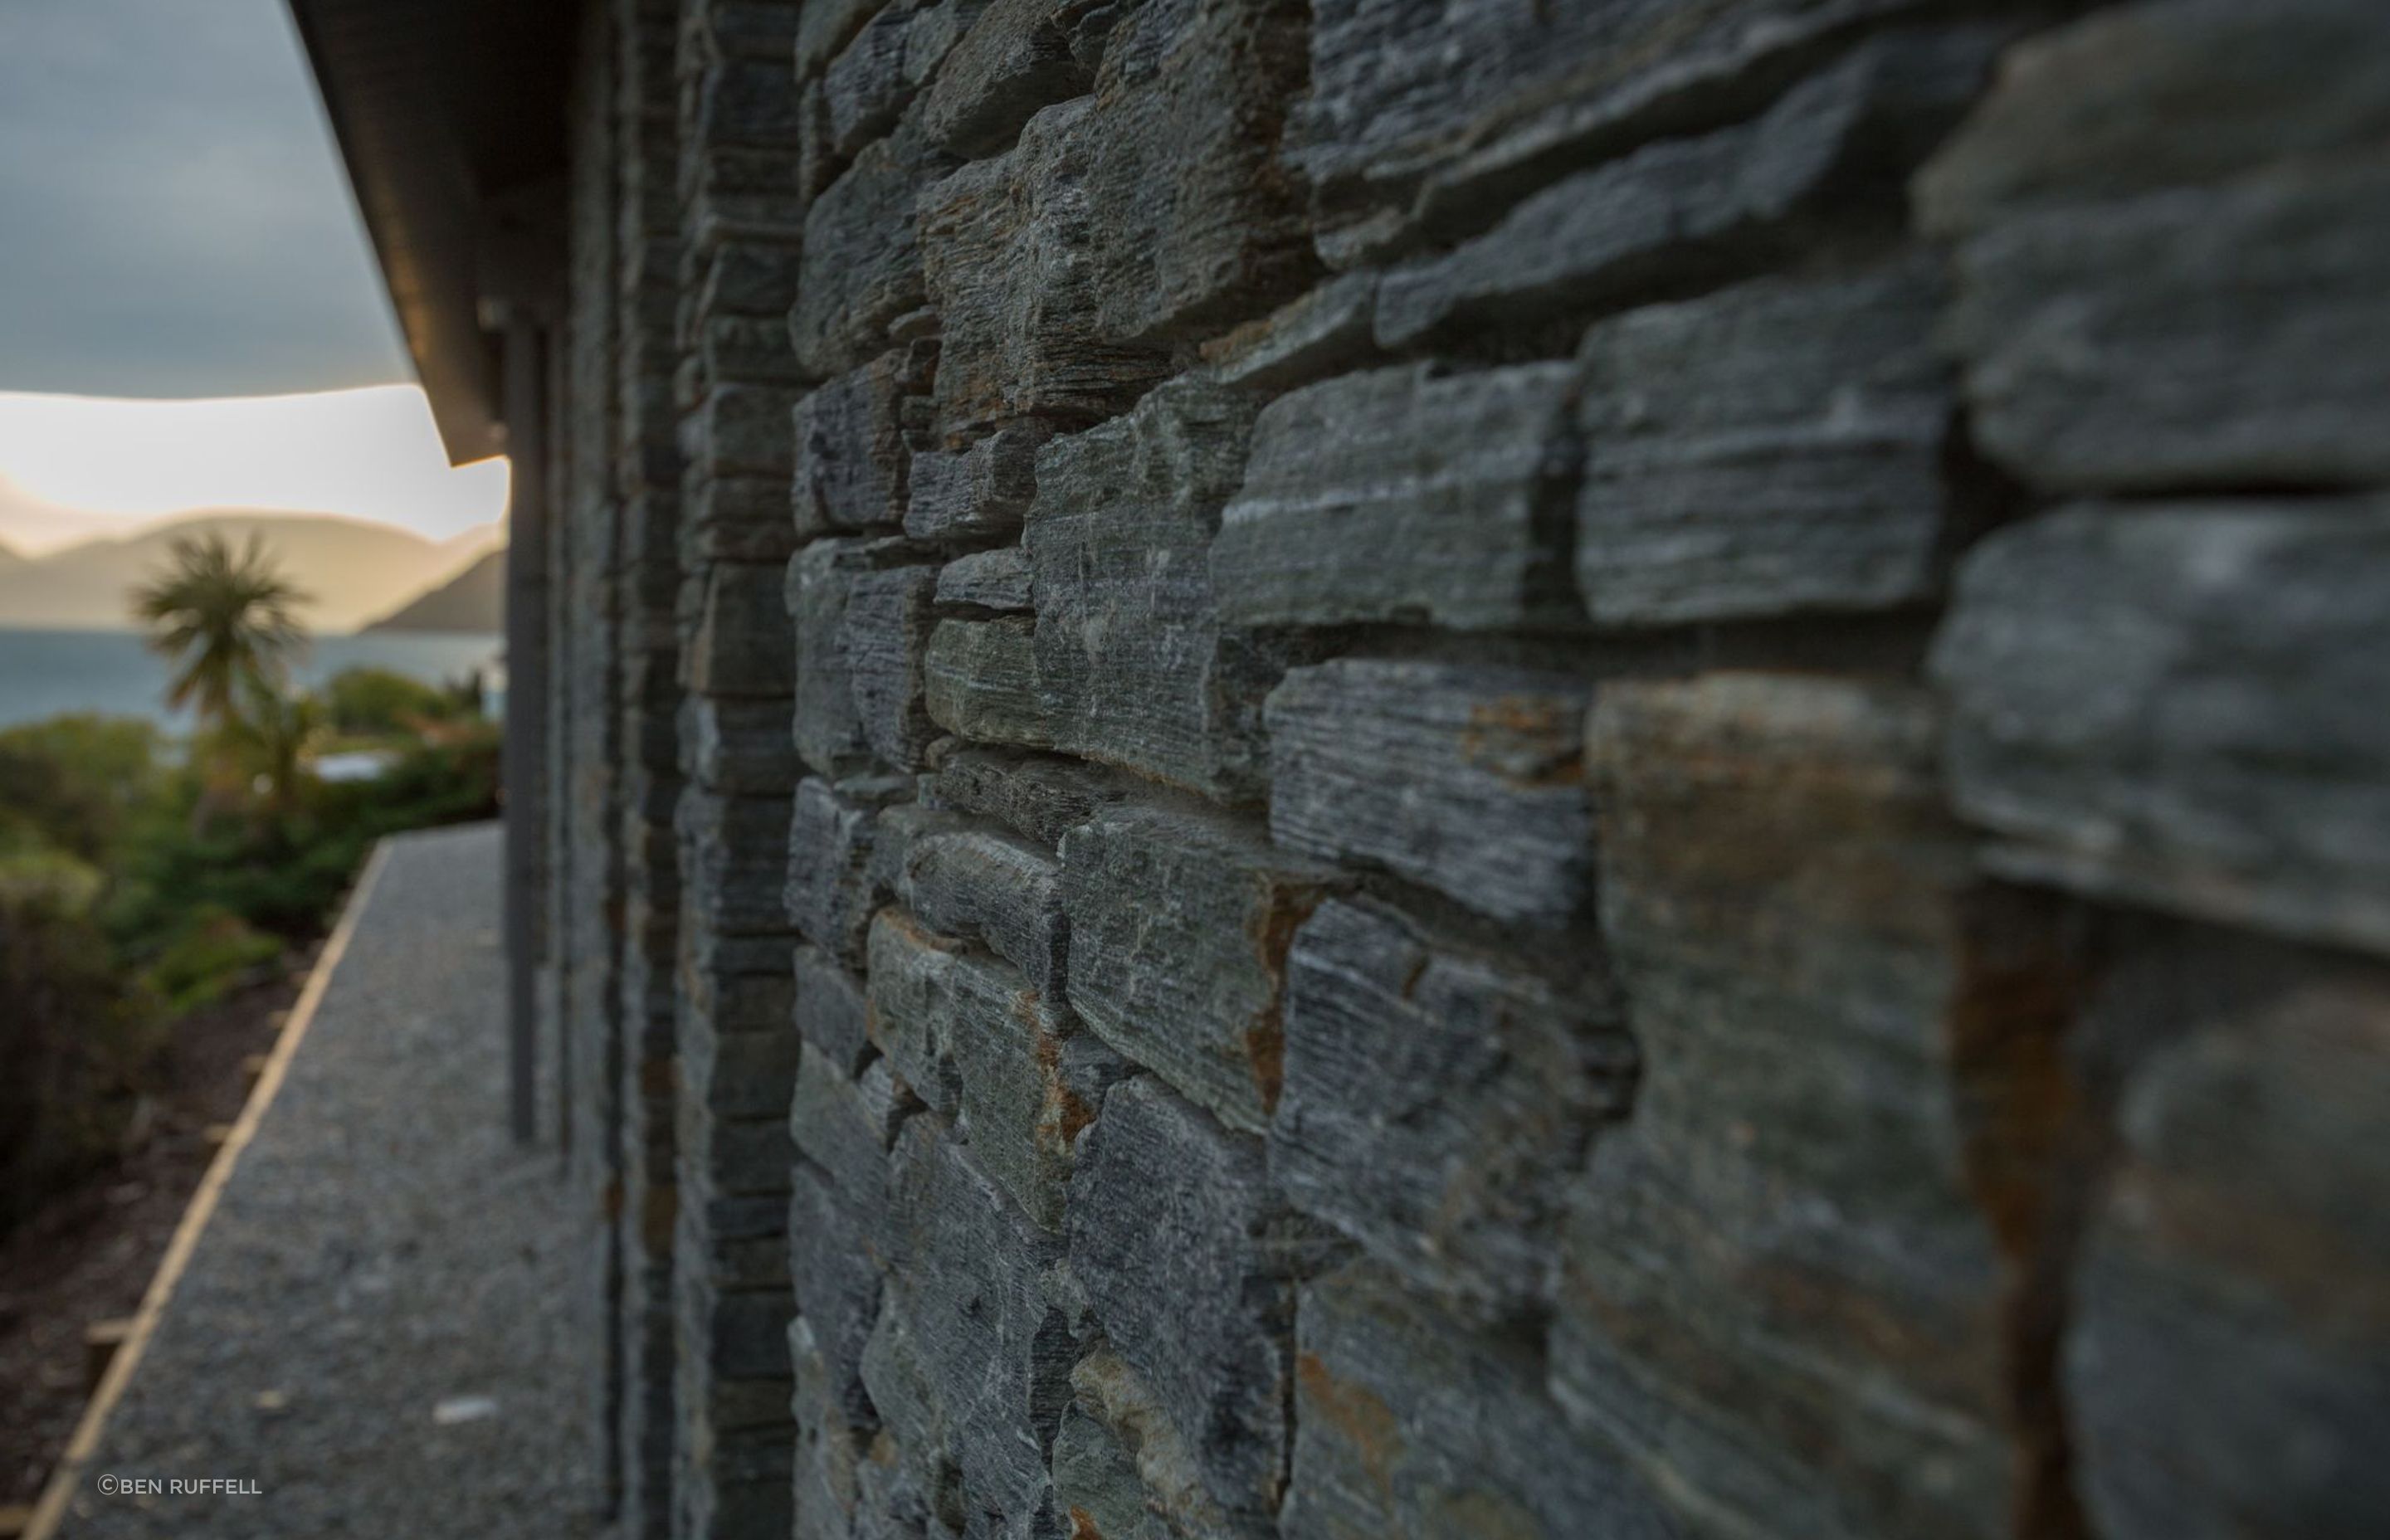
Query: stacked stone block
point(737, 1060)
point(644, 34)
point(1463, 769)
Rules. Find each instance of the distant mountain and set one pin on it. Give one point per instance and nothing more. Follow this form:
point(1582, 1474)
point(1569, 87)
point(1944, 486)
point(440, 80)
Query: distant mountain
point(475, 599)
point(352, 570)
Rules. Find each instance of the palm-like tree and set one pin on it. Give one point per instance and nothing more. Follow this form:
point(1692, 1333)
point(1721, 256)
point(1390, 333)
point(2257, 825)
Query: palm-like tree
point(225, 618)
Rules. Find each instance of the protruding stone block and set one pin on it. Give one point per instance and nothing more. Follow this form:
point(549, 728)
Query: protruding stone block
point(732, 862)
point(862, 262)
point(1180, 930)
point(997, 580)
point(1470, 780)
point(1132, 660)
point(983, 681)
point(984, 491)
point(854, 448)
point(882, 637)
point(830, 1011)
point(1037, 796)
point(997, 888)
point(1773, 449)
point(829, 893)
point(1406, 1424)
point(1784, 1323)
point(1406, 494)
point(1713, 206)
point(1199, 1306)
point(742, 645)
point(2178, 705)
point(1438, 1106)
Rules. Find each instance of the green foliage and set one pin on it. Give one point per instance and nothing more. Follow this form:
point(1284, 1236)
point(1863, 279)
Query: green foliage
point(215, 951)
point(73, 1038)
point(377, 702)
point(135, 888)
point(74, 782)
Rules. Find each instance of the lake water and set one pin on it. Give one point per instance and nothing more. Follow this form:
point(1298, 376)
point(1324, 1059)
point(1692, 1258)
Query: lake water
point(47, 673)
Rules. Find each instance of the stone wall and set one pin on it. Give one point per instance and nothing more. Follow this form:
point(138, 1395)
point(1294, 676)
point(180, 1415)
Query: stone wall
point(1448, 768)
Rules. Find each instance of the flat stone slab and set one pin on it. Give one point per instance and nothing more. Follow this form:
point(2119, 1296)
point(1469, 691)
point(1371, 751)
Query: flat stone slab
point(373, 1328)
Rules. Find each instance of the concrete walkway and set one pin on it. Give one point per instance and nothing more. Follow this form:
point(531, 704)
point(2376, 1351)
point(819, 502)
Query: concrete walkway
point(374, 1331)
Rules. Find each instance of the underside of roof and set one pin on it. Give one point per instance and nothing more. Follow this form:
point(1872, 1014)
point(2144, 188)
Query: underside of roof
point(450, 115)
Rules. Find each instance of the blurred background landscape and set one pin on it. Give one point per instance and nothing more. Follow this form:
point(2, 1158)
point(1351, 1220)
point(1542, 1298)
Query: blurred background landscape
point(248, 619)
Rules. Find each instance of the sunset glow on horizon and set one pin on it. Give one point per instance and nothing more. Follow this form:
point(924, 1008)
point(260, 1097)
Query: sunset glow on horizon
point(81, 467)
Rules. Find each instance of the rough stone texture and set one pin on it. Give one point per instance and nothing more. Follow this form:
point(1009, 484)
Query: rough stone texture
point(1405, 1424)
point(1377, 943)
point(1719, 1318)
point(1132, 663)
point(983, 681)
point(2231, 1358)
point(1190, 1271)
point(854, 446)
point(1437, 1106)
point(1768, 450)
point(2155, 302)
point(1470, 781)
point(1711, 206)
point(1180, 930)
point(1408, 494)
point(2126, 710)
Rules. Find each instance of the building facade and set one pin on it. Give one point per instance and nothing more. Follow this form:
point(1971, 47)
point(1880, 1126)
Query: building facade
point(1350, 768)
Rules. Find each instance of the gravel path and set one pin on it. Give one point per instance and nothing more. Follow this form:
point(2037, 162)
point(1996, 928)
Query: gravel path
point(374, 1327)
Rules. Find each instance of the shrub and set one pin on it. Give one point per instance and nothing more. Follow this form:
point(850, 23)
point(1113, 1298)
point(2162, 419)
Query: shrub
point(377, 701)
point(215, 951)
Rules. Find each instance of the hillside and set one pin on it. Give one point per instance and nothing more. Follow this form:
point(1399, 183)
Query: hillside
point(472, 601)
point(352, 571)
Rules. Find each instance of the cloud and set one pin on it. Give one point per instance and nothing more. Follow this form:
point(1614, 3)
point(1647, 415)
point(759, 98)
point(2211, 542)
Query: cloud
point(179, 224)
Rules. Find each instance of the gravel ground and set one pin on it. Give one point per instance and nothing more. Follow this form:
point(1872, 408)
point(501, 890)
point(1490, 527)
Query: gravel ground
point(374, 1329)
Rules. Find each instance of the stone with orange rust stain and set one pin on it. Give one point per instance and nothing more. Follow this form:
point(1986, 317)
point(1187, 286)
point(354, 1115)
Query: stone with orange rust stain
point(1190, 1263)
point(1468, 779)
point(1408, 1425)
point(1179, 928)
point(1777, 1295)
point(1439, 1102)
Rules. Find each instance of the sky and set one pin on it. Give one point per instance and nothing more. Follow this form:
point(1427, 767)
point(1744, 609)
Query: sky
point(176, 225)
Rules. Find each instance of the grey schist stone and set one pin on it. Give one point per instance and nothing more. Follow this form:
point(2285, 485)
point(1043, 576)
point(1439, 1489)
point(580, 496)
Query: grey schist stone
point(984, 491)
point(1004, 243)
point(1132, 661)
point(1180, 930)
point(1406, 494)
point(1713, 206)
point(996, 888)
point(1438, 1105)
point(994, 1354)
point(1039, 797)
point(913, 1421)
point(742, 645)
point(1422, 114)
point(2183, 705)
point(1189, 1264)
point(829, 894)
point(742, 744)
point(1032, 1081)
point(2227, 1364)
point(1468, 779)
point(740, 430)
point(882, 637)
point(1015, 58)
point(1772, 449)
point(1407, 1424)
point(821, 582)
point(983, 681)
point(854, 447)
point(732, 862)
point(739, 1073)
point(830, 1010)
point(862, 263)
point(747, 277)
point(844, 1125)
point(1119, 1459)
point(836, 1284)
point(824, 28)
point(736, 518)
point(2152, 297)
point(744, 103)
point(1327, 331)
point(997, 580)
point(910, 985)
point(1786, 1326)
